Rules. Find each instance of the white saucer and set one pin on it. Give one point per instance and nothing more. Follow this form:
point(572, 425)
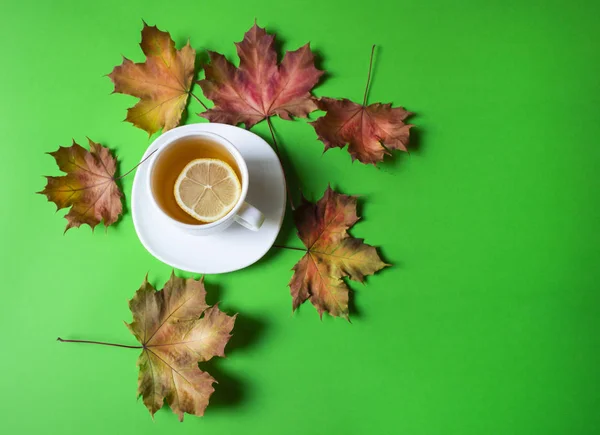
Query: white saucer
point(234, 248)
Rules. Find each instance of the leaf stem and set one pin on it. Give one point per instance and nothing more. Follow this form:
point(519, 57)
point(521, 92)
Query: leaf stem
point(273, 137)
point(98, 342)
point(132, 169)
point(199, 100)
point(369, 76)
point(289, 247)
point(287, 188)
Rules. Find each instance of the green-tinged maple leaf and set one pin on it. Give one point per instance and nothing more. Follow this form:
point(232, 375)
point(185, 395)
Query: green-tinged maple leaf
point(162, 82)
point(260, 88)
point(88, 187)
point(332, 254)
point(177, 329)
point(370, 131)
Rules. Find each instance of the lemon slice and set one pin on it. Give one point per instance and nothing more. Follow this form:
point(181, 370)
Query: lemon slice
point(207, 189)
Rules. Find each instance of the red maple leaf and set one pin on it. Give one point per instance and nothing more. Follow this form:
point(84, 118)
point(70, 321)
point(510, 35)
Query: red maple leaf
point(369, 131)
point(259, 87)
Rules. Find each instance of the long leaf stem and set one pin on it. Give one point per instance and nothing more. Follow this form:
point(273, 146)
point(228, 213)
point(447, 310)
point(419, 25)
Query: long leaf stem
point(369, 76)
point(287, 188)
point(289, 247)
point(199, 100)
point(98, 342)
point(133, 169)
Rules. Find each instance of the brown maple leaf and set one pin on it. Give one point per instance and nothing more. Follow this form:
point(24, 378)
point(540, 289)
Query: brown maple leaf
point(162, 83)
point(370, 131)
point(177, 329)
point(331, 254)
point(88, 187)
point(260, 88)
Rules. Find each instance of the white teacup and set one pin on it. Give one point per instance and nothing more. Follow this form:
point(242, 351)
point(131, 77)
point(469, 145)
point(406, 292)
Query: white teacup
point(243, 213)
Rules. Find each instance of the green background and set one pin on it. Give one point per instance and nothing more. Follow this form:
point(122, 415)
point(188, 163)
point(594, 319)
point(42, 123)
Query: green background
point(486, 324)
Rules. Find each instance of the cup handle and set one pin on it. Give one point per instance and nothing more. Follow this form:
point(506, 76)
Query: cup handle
point(249, 217)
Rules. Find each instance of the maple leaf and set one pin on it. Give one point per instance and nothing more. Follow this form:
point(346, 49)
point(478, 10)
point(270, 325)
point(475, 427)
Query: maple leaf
point(88, 187)
point(177, 329)
point(260, 88)
point(369, 131)
point(162, 83)
point(332, 254)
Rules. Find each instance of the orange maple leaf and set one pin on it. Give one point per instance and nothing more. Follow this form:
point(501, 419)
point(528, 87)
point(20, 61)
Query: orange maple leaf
point(162, 82)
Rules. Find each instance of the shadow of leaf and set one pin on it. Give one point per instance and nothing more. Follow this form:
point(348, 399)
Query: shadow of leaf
point(248, 332)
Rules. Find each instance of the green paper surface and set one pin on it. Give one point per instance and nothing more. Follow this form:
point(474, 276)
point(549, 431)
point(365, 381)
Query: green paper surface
point(488, 321)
